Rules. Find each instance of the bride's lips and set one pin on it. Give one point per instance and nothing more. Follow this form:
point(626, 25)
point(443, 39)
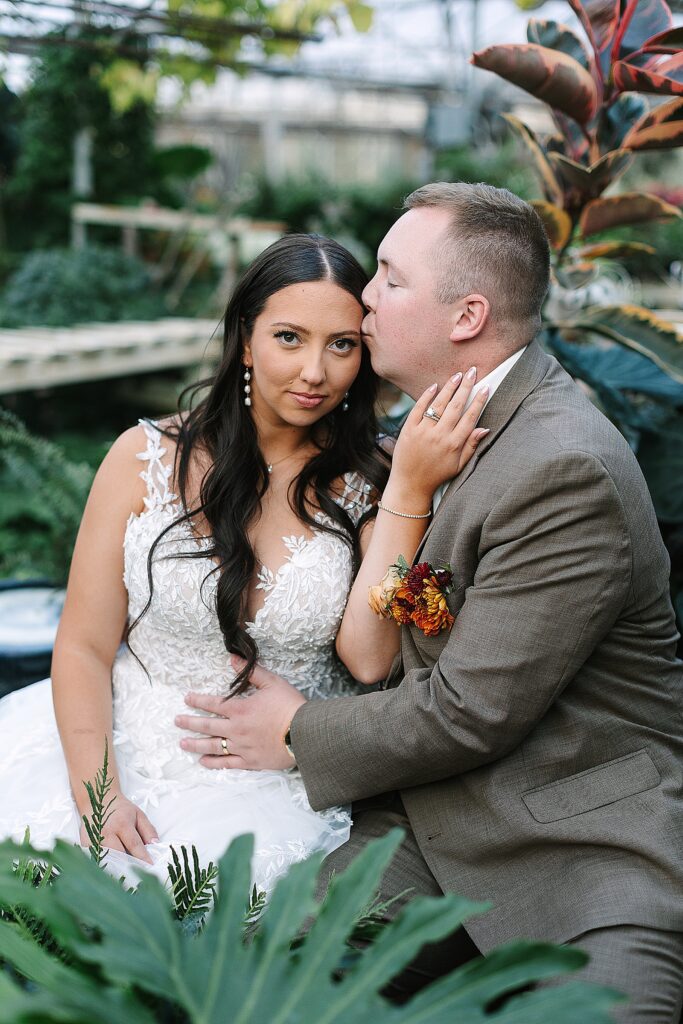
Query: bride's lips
point(307, 401)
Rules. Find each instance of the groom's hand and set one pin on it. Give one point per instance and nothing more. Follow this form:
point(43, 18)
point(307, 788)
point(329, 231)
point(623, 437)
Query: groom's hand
point(253, 728)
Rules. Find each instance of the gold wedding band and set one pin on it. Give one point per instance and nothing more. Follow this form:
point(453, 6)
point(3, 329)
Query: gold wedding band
point(224, 744)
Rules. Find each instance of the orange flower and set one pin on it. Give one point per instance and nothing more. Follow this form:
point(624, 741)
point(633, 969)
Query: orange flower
point(431, 614)
point(414, 594)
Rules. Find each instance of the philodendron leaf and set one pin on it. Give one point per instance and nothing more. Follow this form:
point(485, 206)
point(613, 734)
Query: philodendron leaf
point(140, 921)
point(551, 186)
point(468, 991)
point(76, 990)
point(551, 76)
point(627, 208)
point(638, 329)
point(557, 223)
point(660, 128)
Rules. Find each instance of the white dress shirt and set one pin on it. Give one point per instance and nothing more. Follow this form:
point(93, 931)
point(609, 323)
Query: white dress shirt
point(493, 380)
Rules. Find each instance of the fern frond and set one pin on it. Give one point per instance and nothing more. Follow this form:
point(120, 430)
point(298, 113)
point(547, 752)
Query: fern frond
point(255, 907)
point(193, 888)
point(101, 808)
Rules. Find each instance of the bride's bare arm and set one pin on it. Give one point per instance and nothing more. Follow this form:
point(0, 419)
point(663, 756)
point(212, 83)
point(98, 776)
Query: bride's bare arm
point(90, 632)
point(427, 454)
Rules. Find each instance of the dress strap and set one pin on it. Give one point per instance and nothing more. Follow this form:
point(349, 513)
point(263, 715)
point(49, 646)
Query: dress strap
point(156, 474)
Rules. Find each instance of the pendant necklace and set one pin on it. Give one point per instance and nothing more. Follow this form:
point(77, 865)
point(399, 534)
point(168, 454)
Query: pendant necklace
point(269, 465)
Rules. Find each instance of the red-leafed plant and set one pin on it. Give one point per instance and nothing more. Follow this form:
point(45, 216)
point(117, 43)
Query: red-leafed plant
point(595, 83)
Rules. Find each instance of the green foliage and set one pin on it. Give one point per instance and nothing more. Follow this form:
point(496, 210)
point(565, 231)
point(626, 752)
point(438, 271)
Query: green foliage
point(595, 86)
point(502, 168)
point(193, 887)
point(59, 287)
point(65, 96)
point(100, 808)
point(130, 960)
point(43, 496)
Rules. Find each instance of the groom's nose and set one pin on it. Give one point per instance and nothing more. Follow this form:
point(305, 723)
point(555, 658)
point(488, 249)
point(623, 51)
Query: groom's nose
point(369, 293)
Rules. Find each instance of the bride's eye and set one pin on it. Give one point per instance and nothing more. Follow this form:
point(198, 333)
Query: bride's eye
point(343, 345)
point(288, 338)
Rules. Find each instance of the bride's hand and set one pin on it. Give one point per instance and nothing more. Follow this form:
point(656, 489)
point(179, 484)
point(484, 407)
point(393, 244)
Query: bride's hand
point(127, 829)
point(431, 451)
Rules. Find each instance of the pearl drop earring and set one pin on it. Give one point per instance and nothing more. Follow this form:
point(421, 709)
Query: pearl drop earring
point(345, 403)
point(247, 387)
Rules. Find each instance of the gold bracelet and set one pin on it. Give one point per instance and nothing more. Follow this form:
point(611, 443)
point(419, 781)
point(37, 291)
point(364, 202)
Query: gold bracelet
point(404, 515)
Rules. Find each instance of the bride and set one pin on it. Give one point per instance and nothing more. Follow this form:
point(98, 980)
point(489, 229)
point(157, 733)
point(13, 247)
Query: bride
point(235, 527)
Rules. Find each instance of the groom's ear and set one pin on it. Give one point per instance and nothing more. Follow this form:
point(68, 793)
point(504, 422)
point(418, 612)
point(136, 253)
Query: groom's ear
point(470, 316)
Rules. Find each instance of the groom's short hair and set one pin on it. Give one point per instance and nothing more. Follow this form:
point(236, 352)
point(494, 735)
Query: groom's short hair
point(496, 246)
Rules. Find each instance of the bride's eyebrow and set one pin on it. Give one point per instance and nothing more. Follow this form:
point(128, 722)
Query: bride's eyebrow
point(304, 330)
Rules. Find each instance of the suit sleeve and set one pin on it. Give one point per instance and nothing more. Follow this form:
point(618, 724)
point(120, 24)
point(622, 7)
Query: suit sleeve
point(553, 576)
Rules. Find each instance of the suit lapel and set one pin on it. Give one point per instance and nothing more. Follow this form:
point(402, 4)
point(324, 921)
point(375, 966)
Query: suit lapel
point(523, 378)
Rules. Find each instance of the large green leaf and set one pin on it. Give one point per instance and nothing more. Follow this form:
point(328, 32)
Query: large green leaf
point(637, 329)
point(627, 208)
point(551, 76)
point(140, 921)
point(467, 992)
point(79, 994)
point(217, 976)
point(632, 390)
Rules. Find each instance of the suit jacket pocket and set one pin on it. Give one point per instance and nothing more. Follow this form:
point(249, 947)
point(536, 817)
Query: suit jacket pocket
point(596, 787)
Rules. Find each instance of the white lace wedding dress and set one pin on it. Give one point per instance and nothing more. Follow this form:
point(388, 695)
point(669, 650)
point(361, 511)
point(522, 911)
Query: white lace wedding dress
point(180, 644)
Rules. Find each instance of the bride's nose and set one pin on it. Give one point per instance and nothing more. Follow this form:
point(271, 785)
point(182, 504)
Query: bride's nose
point(313, 369)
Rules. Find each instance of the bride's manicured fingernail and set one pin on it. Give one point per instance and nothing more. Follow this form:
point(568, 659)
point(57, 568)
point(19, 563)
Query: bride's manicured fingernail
point(472, 373)
point(457, 378)
point(484, 392)
point(432, 388)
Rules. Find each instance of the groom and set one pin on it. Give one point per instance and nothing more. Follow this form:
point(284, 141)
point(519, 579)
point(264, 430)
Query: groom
point(533, 754)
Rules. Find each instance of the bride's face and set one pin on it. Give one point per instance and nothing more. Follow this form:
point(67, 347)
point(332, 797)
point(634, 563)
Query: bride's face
point(304, 353)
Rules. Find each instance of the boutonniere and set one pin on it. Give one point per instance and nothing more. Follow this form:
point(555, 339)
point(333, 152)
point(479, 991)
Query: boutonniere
point(414, 594)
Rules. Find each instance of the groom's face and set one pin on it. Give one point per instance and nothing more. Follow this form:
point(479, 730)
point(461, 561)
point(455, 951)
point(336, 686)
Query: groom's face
point(406, 328)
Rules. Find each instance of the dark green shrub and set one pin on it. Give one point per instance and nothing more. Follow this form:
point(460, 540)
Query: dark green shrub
point(43, 496)
point(59, 287)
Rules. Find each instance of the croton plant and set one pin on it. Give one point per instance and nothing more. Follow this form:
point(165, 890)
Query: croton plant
point(614, 88)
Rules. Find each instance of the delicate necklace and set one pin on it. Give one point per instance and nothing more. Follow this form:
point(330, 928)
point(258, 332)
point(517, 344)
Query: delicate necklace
point(269, 465)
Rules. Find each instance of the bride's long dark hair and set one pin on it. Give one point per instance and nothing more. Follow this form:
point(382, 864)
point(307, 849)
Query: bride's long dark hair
point(221, 427)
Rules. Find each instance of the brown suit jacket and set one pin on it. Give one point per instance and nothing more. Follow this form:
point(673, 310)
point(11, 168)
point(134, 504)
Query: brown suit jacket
point(538, 746)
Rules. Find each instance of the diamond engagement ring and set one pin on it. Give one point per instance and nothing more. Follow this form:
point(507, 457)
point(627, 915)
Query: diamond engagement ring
point(432, 415)
point(224, 744)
